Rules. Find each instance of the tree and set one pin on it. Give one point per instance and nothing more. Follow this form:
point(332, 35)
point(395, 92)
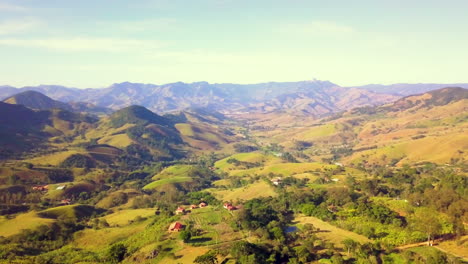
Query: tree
point(337, 259)
point(426, 221)
point(116, 253)
point(185, 235)
point(350, 245)
point(303, 254)
point(207, 258)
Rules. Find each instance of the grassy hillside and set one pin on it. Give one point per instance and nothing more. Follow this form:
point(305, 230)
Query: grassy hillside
point(31, 220)
point(69, 211)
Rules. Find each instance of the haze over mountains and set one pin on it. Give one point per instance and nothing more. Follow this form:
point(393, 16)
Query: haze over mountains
point(309, 97)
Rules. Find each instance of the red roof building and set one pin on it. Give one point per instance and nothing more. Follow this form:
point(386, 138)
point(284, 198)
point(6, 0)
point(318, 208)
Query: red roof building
point(229, 206)
point(176, 227)
point(180, 210)
point(65, 202)
point(202, 204)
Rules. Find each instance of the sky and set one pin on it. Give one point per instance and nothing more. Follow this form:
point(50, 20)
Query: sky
point(94, 43)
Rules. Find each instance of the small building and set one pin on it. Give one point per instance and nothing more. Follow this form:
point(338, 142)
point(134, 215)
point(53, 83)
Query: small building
point(193, 206)
point(180, 210)
point(276, 181)
point(41, 188)
point(175, 227)
point(65, 202)
point(61, 187)
point(202, 204)
point(229, 206)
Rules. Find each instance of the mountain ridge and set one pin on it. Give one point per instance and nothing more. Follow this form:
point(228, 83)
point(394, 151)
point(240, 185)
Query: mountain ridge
point(313, 97)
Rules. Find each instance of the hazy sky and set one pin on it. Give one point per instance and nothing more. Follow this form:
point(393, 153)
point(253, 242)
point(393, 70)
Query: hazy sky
point(93, 43)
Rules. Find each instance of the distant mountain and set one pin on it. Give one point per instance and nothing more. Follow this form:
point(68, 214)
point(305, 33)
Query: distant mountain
point(406, 89)
point(39, 101)
point(319, 102)
point(36, 100)
point(307, 97)
point(438, 97)
point(57, 92)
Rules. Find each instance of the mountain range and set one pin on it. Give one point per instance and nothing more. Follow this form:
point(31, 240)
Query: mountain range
point(314, 97)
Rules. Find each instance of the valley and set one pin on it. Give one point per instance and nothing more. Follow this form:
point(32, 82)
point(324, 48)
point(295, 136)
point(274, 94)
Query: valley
point(305, 172)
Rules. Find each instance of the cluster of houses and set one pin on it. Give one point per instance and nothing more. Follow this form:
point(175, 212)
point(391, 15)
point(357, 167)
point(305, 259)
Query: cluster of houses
point(45, 188)
point(41, 188)
point(178, 226)
point(181, 210)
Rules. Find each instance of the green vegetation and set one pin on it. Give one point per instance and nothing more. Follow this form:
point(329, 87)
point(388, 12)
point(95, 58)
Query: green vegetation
point(371, 185)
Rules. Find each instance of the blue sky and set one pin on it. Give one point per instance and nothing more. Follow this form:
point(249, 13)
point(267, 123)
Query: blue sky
point(96, 43)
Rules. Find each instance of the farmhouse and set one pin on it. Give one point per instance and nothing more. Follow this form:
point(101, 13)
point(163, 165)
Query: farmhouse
point(193, 206)
point(180, 210)
point(276, 181)
point(229, 206)
point(202, 204)
point(176, 226)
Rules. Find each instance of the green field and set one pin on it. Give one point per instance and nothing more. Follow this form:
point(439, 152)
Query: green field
point(166, 181)
point(173, 171)
point(28, 220)
point(95, 240)
point(123, 217)
point(172, 174)
point(255, 190)
point(330, 232)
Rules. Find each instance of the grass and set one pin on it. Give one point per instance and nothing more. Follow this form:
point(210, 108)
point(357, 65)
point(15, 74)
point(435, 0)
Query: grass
point(166, 181)
point(173, 171)
point(76, 211)
point(53, 159)
point(30, 220)
point(318, 131)
point(123, 217)
point(186, 255)
point(330, 232)
point(95, 240)
point(172, 174)
point(255, 190)
point(286, 169)
point(437, 149)
point(458, 249)
point(202, 136)
point(119, 140)
point(253, 157)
